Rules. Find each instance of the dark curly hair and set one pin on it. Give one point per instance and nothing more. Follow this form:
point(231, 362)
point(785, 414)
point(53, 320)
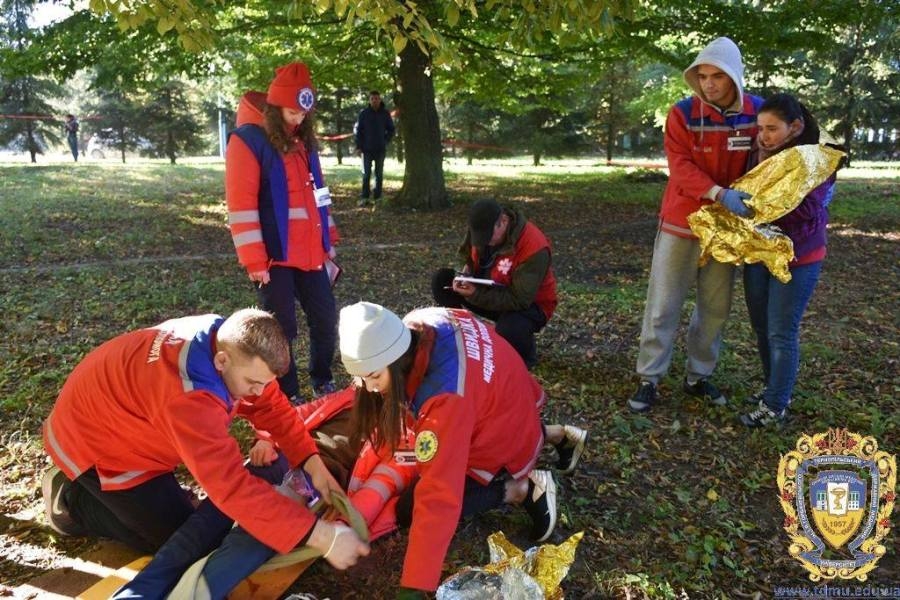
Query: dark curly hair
point(280, 138)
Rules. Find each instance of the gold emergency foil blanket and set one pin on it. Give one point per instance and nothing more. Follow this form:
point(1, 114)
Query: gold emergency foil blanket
point(547, 564)
point(778, 185)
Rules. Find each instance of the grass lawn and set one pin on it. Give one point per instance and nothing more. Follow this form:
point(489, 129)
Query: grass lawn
point(682, 499)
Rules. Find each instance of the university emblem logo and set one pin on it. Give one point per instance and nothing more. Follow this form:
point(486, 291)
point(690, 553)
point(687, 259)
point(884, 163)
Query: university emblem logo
point(306, 98)
point(847, 486)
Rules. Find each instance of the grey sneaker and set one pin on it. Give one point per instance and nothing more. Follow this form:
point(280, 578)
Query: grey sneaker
point(644, 398)
point(763, 416)
point(704, 389)
point(570, 448)
point(53, 485)
point(540, 504)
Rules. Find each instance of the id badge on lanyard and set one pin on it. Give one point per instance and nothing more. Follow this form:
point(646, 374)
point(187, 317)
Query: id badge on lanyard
point(323, 196)
point(738, 142)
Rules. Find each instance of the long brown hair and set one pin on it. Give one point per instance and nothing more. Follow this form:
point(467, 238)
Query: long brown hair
point(381, 419)
point(283, 140)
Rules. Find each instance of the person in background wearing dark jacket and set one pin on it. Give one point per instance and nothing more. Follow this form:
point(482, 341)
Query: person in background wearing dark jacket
point(776, 308)
point(373, 130)
point(72, 135)
point(503, 246)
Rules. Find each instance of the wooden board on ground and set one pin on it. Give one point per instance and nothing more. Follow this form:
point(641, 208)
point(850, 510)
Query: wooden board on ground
point(269, 584)
point(259, 586)
point(78, 574)
point(105, 588)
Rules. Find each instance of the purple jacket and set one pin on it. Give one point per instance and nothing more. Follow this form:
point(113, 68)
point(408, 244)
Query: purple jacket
point(806, 224)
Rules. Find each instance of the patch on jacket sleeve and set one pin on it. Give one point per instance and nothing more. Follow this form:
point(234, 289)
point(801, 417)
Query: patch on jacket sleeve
point(426, 446)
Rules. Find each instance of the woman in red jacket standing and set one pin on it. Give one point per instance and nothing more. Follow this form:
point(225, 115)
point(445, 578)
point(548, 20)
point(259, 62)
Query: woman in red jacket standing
point(279, 215)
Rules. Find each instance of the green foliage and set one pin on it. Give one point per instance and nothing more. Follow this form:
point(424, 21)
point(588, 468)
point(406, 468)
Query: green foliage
point(25, 96)
point(169, 123)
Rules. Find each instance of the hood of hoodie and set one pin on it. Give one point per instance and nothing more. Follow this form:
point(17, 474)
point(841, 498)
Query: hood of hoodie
point(250, 109)
point(724, 55)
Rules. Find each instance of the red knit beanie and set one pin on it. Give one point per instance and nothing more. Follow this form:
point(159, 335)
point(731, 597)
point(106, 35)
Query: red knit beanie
point(292, 87)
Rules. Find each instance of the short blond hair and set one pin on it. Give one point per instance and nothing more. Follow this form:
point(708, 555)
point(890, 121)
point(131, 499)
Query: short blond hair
point(255, 332)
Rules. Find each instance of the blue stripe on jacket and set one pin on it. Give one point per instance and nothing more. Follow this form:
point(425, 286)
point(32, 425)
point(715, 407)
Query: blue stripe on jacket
point(442, 375)
point(195, 361)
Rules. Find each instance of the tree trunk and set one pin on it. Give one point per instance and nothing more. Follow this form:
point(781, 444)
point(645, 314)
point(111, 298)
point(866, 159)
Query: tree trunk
point(610, 138)
point(339, 126)
point(470, 140)
point(423, 175)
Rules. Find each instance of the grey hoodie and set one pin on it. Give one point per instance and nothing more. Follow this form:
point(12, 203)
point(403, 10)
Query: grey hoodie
point(722, 54)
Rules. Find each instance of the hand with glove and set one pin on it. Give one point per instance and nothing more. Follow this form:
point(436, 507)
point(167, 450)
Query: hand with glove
point(733, 200)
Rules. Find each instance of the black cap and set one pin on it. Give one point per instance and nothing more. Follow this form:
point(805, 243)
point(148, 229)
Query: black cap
point(483, 215)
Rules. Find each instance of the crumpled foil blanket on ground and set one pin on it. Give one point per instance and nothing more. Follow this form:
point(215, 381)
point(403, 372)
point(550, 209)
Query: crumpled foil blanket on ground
point(778, 185)
point(534, 574)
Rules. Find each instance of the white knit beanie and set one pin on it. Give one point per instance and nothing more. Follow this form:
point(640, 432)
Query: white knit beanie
point(372, 337)
point(724, 55)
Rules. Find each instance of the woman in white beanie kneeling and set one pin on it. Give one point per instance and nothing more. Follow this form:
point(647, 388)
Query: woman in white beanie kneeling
point(477, 417)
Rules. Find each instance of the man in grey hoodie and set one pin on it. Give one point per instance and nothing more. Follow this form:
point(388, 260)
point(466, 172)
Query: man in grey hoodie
point(707, 142)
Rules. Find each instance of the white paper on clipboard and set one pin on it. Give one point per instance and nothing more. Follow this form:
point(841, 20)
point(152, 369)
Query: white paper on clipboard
point(475, 280)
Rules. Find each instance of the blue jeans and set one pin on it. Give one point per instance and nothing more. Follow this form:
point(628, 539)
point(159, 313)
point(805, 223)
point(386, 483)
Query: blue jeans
point(313, 290)
point(73, 146)
point(775, 312)
point(368, 159)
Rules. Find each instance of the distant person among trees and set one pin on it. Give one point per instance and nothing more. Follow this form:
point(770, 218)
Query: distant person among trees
point(373, 130)
point(147, 401)
point(71, 127)
point(708, 137)
point(279, 211)
point(477, 421)
point(776, 308)
point(504, 247)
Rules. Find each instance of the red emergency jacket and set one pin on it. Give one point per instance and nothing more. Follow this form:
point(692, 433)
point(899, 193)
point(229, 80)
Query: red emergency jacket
point(527, 244)
point(243, 186)
point(149, 400)
point(696, 144)
point(378, 477)
point(477, 413)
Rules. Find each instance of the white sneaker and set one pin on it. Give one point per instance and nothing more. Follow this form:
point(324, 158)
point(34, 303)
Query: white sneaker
point(540, 503)
point(570, 448)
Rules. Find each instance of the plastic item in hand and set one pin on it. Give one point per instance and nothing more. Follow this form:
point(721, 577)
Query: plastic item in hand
point(297, 481)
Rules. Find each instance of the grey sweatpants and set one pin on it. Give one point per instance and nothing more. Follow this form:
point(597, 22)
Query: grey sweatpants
point(672, 273)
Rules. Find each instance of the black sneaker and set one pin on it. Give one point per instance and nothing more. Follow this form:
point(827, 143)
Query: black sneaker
point(540, 503)
point(363, 202)
point(643, 399)
point(53, 485)
point(704, 389)
point(570, 448)
point(763, 416)
point(329, 387)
